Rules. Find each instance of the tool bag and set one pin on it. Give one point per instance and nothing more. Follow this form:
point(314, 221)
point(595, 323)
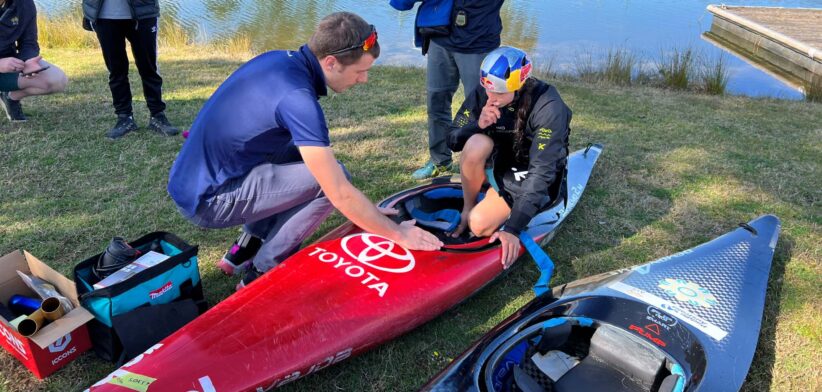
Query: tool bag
point(134, 314)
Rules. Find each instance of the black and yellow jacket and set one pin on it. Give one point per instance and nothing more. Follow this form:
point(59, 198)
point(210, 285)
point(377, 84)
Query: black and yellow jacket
point(529, 180)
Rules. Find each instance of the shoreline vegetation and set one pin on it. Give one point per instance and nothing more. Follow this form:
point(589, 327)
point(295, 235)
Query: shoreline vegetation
point(675, 68)
point(679, 168)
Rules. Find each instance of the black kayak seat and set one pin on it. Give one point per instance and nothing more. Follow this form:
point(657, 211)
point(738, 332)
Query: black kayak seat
point(615, 362)
point(526, 383)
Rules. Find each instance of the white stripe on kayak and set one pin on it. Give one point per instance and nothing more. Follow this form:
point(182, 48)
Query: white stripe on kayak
point(676, 311)
point(207, 385)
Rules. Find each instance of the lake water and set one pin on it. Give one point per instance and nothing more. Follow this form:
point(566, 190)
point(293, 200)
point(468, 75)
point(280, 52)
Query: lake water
point(559, 33)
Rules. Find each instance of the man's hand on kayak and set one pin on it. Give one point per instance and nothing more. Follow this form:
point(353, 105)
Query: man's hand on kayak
point(509, 248)
point(412, 237)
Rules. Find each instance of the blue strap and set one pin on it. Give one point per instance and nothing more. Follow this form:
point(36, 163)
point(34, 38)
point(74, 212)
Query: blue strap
point(544, 263)
point(444, 193)
point(680, 381)
point(448, 193)
point(445, 220)
point(489, 173)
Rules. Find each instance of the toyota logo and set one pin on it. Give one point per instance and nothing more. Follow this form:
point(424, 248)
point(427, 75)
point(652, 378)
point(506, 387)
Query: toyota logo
point(369, 248)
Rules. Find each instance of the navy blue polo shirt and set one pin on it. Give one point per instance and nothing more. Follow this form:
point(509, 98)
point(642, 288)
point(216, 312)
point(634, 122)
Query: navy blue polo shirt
point(260, 114)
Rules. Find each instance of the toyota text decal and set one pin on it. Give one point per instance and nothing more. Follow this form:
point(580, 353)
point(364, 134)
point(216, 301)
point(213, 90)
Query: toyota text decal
point(370, 250)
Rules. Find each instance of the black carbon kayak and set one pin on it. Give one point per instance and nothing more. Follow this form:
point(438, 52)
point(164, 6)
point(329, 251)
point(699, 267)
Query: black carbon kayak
point(686, 322)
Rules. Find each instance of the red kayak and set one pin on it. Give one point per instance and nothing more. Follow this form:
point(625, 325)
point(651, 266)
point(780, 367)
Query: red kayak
point(345, 294)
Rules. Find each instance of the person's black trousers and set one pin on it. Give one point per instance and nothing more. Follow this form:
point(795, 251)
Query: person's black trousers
point(142, 34)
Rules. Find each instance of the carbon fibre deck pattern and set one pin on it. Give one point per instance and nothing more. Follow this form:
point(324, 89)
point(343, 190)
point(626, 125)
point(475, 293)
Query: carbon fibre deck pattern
point(724, 280)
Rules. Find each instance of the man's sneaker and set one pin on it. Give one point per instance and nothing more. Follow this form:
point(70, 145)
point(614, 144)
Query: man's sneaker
point(125, 124)
point(239, 256)
point(250, 276)
point(13, 109)
point(429, 170)
point(159, 123)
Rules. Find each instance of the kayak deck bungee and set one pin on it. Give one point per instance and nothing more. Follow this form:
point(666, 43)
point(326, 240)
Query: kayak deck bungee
point(687, 322)
point(346, 293)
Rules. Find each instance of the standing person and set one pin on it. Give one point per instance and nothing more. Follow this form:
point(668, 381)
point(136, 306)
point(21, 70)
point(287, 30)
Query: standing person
point(20, 60)
point(116, 21)
point(259, 153)
point(456, 35)
point(520, 127)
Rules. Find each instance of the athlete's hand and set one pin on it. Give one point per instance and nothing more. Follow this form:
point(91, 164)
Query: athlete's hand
point(412, 237)
point(466, 212)
point(388, 211)
point(11, 64)
point(489, 115)
point(32, 64)
point(509, 247)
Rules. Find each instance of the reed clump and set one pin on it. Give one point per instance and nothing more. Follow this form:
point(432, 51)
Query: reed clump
point(676, 68)
point(586, 68)
point(619, 67)
point(813, 90)
point(66, 31)
point(715, 76)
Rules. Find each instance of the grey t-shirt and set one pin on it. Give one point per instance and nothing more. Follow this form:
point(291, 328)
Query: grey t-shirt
point(115, 9)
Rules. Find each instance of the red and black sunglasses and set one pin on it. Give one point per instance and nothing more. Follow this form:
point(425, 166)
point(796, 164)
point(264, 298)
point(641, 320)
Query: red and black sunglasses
point(366, 45)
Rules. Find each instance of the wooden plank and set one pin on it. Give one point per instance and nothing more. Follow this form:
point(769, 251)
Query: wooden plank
point(797, 28)
point(802, 24)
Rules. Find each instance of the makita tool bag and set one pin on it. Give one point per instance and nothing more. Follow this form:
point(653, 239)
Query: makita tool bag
point(138, 305)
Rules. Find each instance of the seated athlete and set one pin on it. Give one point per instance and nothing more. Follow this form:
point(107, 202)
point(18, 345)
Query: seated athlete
point(519, 126)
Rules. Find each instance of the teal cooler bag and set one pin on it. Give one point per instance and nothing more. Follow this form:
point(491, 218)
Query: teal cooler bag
point(134, 314)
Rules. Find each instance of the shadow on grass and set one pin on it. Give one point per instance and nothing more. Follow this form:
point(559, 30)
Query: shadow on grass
point(760, 377)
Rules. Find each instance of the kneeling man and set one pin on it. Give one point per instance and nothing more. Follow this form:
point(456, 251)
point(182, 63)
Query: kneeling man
point(258, 153)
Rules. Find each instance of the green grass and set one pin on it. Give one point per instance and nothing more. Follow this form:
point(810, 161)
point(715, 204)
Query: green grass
point(678, 169)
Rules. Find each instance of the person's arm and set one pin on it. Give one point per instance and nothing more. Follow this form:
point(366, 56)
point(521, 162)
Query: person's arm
point(27, 46)
point(356, 207)
point(548, 151)
point(466, 121)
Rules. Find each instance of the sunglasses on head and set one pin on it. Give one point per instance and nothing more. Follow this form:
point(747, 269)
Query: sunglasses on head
point(366, 45)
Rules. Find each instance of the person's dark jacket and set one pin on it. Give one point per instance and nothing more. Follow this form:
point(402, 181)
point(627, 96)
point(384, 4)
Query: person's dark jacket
point(140, 9)
point(18, 30)
point(437, 20)
point(545, 140)
point(482, 29)
point(431, 15)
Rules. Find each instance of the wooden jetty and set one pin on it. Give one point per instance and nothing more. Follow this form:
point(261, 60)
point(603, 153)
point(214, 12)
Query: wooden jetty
point(784, 41)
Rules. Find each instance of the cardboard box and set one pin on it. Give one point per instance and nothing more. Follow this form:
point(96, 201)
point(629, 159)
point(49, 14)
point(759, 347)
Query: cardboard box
point(58, 342)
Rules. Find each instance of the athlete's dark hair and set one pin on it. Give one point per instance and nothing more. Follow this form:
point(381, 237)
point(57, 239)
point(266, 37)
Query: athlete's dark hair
point(523, 107)
point(342, 30)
